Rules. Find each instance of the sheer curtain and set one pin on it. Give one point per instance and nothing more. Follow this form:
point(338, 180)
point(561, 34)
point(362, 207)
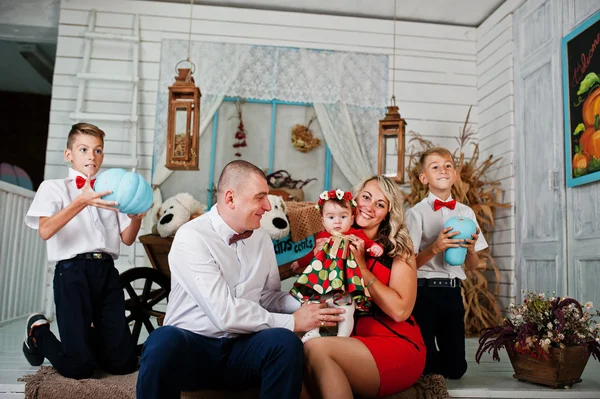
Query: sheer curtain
point(348, 90)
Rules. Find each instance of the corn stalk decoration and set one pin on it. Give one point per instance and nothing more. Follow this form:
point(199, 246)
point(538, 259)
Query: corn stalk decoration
point(483, 196)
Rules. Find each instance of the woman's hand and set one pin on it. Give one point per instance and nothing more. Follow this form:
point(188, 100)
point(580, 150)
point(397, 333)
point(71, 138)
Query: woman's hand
point(357, 246)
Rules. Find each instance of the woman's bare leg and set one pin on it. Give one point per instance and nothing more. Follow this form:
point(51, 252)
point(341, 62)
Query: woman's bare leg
point(338, 366)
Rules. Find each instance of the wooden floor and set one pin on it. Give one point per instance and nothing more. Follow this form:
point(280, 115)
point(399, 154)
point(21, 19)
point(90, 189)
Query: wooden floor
point(486, 380)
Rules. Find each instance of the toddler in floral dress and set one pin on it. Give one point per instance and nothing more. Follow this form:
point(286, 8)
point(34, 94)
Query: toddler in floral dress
point(332, 275)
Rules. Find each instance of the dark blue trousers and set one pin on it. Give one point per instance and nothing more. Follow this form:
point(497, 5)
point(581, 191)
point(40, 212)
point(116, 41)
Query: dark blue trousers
point(88, 291)
point(175, 360)
point(440, 312)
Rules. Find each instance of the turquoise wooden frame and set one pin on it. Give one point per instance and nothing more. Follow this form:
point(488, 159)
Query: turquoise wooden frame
point(274, 103)
point(590, 177)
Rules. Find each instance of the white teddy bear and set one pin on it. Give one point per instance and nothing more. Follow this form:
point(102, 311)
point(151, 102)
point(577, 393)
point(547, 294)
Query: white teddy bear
point(275, 222)
point(176, 211)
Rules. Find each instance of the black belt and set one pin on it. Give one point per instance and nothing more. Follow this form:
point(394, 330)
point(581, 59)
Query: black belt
point(438, 282)
point(93, 256)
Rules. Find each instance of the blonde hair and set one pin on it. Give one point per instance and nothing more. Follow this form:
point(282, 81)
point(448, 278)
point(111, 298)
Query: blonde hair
point(392, 233)
point(441, 151)
point(84, 128)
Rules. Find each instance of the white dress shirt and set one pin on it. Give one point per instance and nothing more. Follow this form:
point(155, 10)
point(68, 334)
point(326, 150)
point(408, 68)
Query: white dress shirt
point(91, 230)
point(218, 290)
point(424, 227)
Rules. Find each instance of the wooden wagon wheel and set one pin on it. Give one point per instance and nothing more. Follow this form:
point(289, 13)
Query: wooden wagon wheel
point(141, 308)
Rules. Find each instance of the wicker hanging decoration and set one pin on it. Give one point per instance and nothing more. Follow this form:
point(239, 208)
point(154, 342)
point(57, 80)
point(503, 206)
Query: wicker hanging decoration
point(303, 139)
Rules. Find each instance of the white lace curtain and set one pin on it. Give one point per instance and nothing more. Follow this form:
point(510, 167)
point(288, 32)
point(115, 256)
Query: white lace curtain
point(348, 90)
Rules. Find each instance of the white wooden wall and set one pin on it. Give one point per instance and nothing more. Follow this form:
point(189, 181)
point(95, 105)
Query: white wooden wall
point(436, 79)
point(495, 93)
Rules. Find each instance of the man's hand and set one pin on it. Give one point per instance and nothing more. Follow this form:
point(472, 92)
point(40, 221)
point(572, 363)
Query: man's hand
point(470, 243)
point(89, 197)
point(313, 315)
point(445, 241)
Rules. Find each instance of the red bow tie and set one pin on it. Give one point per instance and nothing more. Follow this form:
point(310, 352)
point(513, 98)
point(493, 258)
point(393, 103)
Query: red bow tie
point(237, 237)
point(437, 204)
point(80, 182)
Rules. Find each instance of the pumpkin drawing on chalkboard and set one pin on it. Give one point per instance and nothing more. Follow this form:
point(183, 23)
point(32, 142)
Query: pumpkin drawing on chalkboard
point(591, 107)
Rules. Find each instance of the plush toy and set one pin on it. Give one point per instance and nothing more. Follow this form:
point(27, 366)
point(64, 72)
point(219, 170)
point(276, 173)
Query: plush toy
point(275, 222)
point(176, 211)
point(129, 189)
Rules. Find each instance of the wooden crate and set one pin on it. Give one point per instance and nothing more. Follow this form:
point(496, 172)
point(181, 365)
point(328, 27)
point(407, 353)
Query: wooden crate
point(157, 248)
point(563, 367)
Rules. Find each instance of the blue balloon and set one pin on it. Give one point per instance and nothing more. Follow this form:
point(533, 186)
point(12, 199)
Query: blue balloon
point(466, 228)
point(129, 189)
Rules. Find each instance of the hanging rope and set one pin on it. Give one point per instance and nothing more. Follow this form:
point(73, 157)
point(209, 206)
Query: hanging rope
point(394, 61)
point(190, 30)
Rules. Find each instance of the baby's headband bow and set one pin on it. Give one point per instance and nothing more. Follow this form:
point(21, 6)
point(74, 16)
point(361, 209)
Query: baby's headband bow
point(335, 194)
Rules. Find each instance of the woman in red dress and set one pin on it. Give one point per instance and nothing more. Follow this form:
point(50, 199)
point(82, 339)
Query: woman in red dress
point(386, 353)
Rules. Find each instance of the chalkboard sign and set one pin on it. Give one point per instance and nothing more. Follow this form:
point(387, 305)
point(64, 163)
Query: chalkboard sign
point(288, 251)
point(581, 98)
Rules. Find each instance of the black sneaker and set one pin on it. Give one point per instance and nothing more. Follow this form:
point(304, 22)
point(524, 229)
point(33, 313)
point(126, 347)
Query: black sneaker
point(29, 349)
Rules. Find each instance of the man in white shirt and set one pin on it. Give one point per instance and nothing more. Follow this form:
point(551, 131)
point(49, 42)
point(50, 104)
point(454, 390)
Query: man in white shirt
point(228, 324)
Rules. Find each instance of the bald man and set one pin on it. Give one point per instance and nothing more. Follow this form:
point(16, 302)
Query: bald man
point(228, 324)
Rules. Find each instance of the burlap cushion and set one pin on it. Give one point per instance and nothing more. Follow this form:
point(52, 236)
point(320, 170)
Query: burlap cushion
point(48, 384)
point(305, 219)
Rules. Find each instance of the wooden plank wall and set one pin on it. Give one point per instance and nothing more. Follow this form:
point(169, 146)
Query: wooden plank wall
point(436, 65)
point(495, 94)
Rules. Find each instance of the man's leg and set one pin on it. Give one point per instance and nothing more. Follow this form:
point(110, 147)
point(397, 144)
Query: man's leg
point(174, 359)
point(451, 337)
point(426, 316)
point(273, 357)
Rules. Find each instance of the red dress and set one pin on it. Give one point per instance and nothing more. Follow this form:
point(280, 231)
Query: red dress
point(397, 347)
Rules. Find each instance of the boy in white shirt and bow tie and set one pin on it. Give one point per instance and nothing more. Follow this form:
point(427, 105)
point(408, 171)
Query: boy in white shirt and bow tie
point(83, 234)
point(439, 309)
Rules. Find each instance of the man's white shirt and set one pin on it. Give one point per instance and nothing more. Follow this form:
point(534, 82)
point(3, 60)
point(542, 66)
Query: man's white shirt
point(218, 290)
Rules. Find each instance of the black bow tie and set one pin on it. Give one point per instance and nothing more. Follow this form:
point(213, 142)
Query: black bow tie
point(237, 237)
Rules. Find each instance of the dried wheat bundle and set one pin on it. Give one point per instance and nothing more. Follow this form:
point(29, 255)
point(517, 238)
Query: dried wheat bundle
point(483, 196)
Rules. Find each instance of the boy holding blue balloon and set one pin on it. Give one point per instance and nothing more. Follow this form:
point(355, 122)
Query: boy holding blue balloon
point(439, 309)
point(83, 233)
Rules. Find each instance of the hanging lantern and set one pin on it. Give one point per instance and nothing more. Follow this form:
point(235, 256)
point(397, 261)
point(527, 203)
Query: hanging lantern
point(183, 122)
point(390, 160)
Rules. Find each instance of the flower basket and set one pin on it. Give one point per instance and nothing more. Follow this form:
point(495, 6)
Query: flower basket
point(562, 367)
point(548, 340)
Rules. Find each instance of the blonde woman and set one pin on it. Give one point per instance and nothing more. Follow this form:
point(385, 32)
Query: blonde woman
point(386, 353)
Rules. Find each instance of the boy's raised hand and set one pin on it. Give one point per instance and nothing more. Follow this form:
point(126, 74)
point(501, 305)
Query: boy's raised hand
point(445, 240)
point(470, 243)
point(89, 197)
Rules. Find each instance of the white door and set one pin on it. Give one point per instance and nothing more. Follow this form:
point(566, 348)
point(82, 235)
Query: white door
point(540, 227)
